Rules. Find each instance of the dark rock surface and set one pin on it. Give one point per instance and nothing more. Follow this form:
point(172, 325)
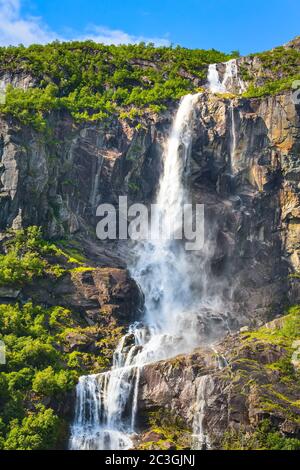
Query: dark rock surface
point(246, 385)
point(244, 168)
point(250, 189)
point(98, 294)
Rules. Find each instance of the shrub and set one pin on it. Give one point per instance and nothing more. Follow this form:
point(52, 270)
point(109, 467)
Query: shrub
point(20, 380)
point(93, 81)
point(49, 383)
point(37, 365)
point(37, 431)
point(263, 438)
point(26, 257)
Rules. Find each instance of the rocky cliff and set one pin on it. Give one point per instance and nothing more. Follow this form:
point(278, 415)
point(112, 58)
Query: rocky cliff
point(244, 168)
point(247, 387)
point(250, 192)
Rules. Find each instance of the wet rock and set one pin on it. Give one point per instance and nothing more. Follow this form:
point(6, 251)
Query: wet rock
point(248, 389)
point(99, 294)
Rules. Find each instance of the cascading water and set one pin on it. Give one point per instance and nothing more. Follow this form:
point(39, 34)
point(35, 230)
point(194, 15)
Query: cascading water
point(233, 139)
point(106, 403)
point(231, 78)
point(214, 83)
point(231, 81)
point(162, 269)
point(200, 438)
point(101, 400)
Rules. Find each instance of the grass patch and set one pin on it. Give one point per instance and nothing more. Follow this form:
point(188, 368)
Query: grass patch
point(265, 437)
point(171, 430)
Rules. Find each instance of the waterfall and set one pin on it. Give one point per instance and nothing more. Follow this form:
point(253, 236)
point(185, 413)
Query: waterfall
point(231, 81)
point(87, 433)
point(203, 389)
point(162, 269)
point(233, 138)
point(214, 83)
point(101, 400)
point(106, 404)
point(221, 360)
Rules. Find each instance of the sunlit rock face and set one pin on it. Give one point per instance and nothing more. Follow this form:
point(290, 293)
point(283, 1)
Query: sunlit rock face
point(58, 182)
point(229, 389)
point(243, 167)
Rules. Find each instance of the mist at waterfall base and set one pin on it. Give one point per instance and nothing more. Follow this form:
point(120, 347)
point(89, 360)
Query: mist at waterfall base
point(175, 320)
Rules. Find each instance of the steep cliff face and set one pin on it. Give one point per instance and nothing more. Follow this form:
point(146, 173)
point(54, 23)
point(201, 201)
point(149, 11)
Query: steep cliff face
point(244, 168)
point(247, 382)
point(58, 180)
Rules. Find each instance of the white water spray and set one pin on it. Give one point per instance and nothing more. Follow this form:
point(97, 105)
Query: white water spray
point(200, 437)
point(107, 403)
point(214, 83)
point(231, 81)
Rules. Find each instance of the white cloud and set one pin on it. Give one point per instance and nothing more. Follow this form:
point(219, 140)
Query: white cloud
point(115, 36)
point(16, 29)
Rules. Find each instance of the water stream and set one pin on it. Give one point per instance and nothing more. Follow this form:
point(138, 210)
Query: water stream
point(107, 403)
point(200, 436)
point(231, 81)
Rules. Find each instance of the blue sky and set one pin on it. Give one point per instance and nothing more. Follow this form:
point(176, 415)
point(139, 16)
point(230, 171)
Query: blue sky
point(249, 26)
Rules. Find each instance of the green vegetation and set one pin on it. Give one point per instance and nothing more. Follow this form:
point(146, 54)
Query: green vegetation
point(93, 81)
point(28, 256)
point(71, 250)
point(265, 370)
point(35, 364)
point(48, 383)
point(294, 276)
point(265, 437)
point(40, 366)
point(284, 334)
point(169, 432)
point(25, 258)
point(37, 431)
point(46, 348)
point(271, 87)
point(280, 67)
point(133, 187)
